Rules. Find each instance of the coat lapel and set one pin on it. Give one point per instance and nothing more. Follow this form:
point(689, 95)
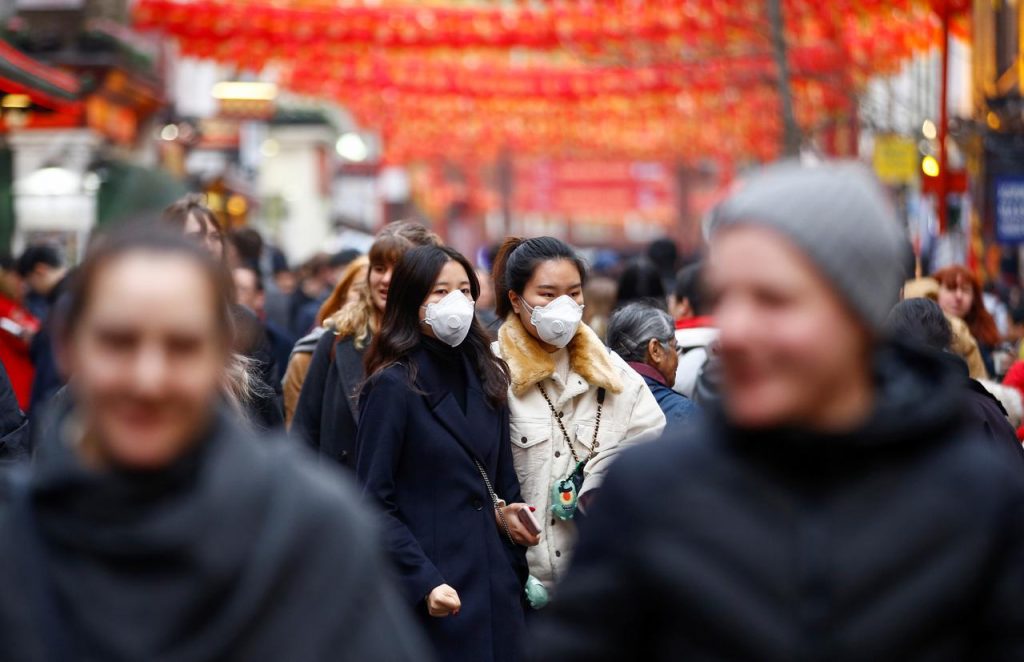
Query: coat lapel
point(470, 429)
point(349, 362)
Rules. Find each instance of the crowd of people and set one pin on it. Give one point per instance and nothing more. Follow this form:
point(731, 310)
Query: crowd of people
point(791, 447)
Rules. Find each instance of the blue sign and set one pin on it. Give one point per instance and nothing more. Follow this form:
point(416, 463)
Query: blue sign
point(1009, 207)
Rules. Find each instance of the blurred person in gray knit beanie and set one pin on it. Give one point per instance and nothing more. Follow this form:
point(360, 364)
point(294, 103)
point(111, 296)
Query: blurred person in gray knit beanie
point(834, 503)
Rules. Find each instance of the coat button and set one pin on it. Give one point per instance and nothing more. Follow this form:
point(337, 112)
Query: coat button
point(558, 454)
point(558, 554)
point(597, 444)
point(478, 504)
point(552, 521)
point(523, 440)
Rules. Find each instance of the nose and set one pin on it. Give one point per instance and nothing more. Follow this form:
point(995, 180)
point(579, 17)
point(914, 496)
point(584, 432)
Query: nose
point(149, 371)
point(736, 325)
point(386, 280)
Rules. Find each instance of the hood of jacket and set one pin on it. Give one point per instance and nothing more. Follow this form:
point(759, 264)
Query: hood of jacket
point(918, 398)
point(529, 363)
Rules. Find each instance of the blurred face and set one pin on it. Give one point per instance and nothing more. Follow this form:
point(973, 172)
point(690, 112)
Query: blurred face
point(148, 358)
point(452, 278)
point(247, 289)
point(205, 235)
point(379, 281)
point(486, 299)
point(792, 353)
point(956, 298)
point(43, 278)
point(551, 279)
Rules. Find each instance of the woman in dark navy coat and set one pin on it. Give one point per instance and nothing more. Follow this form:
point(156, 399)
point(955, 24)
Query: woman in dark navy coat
point(433, 433)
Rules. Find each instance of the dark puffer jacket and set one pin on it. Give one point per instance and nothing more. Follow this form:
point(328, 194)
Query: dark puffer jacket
point(902, 540)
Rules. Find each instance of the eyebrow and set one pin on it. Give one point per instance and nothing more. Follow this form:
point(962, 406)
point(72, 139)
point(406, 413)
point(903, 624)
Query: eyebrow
point(555, 287)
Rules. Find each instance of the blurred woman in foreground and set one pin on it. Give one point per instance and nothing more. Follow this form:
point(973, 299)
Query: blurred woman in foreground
point(151, 527)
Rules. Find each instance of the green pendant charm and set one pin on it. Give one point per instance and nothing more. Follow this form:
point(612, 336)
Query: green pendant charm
point(536, 593)
point(563, 499)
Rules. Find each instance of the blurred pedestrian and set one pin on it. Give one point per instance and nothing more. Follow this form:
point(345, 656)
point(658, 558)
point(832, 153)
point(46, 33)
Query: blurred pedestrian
point(640, 282)
point(574, 405)
point(251, 294)
point(960, 295)
point(644, 337)
point(836, 506)
point(41, 267)
point(922, 322)
point(695, 329)
point(18, 327)
point(151, 526)
point(600, 293)
point(14, 437)
point(433, 451)
point(252, 369)
point(350, 289)
point(664, 255)
point(964, 345)
point(327, 410)
point(485, 304)
point(336, 265)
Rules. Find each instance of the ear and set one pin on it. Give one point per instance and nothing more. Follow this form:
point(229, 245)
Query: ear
point(654, 349)
point(515, 301)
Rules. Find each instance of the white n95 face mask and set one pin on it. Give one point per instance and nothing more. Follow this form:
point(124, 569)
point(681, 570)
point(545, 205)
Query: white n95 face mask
point(557, 321)
point(451, 318)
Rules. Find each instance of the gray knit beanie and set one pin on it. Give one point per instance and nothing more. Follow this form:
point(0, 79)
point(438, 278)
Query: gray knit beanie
point(838, 215)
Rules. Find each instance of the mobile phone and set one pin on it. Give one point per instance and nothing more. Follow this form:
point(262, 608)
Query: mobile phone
point(527, 519)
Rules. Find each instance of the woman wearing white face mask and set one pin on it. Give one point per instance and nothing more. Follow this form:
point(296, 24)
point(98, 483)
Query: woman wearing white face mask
point(573, 403)
point(433, 451)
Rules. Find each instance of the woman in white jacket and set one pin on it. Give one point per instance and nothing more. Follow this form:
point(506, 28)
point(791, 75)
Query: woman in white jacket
point(574, 404)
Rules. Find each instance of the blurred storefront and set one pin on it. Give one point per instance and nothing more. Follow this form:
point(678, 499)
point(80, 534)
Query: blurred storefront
point(999, 136)
point(78, 92)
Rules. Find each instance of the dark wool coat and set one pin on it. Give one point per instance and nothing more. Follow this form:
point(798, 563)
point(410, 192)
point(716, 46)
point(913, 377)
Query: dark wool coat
point(902, 540)
point(243, 550)
point(416, 461)
point(328, 408)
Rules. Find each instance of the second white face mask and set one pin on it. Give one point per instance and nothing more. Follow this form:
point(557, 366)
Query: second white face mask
point(558, 321)
point(451, 318)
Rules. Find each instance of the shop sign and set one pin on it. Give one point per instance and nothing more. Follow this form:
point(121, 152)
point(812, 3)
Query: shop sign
point(1009, 208)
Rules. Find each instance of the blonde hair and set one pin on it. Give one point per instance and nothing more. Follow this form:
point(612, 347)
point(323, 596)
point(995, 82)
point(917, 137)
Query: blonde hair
point(336, 299)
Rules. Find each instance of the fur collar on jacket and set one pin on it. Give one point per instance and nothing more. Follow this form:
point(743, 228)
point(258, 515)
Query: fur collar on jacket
point(530, 364)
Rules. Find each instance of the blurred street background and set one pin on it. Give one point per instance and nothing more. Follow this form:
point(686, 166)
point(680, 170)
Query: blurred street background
point(608, 124)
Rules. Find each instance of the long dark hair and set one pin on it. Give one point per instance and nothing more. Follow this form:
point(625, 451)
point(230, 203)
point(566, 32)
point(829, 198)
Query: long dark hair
point(414, 276)
point(518, 258)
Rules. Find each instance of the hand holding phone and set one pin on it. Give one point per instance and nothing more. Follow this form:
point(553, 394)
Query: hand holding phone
point(527, 519)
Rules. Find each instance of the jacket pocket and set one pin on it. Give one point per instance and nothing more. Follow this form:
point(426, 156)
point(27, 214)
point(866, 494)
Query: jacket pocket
point(608, 436)
point(531, 451)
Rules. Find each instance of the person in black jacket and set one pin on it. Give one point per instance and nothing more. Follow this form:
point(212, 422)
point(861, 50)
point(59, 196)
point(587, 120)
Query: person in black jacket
point(151, 526)
point(837, 504)
point(922, 322)
point(327, 410)
point(434, 453)
point(14, 441)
